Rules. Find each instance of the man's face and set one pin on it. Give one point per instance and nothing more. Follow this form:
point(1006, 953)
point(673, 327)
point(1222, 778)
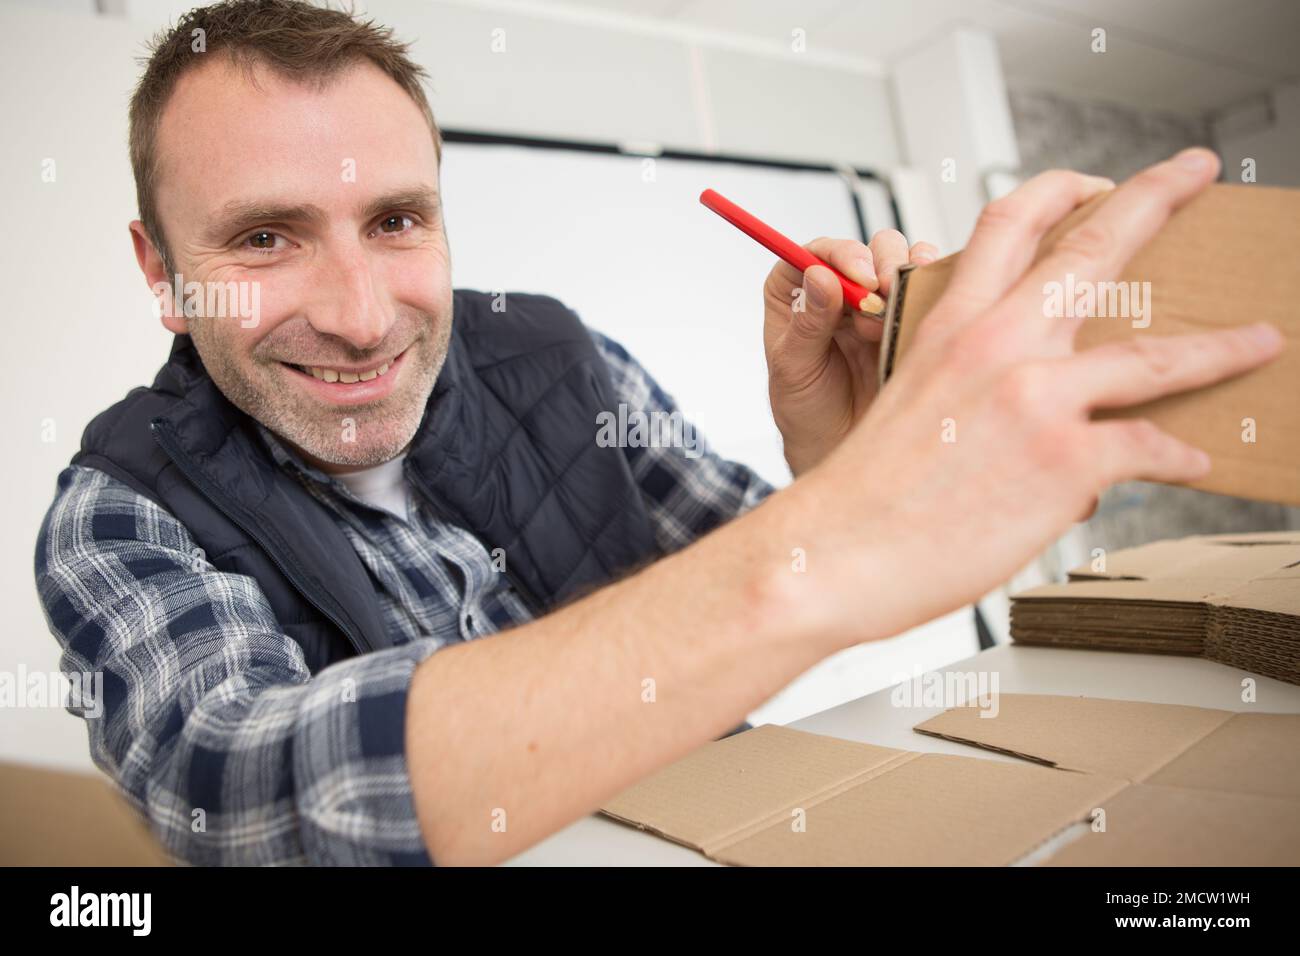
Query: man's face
point(328, 201)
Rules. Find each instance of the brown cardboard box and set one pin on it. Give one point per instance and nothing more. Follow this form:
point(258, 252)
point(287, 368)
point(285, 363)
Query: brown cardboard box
point(1234, 599)
point(55, 818)
point(776, 796)
point(1228, 257)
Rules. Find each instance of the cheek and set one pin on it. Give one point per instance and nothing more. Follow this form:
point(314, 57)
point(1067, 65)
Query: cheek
point(267, 303)
point(422, 283)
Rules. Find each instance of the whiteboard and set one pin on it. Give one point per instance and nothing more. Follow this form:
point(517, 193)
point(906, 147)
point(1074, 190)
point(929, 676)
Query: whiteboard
point(624, 242)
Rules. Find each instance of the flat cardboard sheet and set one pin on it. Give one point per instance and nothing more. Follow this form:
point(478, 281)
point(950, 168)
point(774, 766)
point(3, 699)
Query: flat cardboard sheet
point(776, 796)
point(1211, 787)
point(773, 796)
point(1206, 272)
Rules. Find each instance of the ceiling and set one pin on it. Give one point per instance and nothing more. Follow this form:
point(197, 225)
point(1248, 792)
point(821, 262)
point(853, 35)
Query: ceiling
point(1193, 57)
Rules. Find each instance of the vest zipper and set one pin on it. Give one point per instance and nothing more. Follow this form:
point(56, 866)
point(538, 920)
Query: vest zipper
point(250, 528)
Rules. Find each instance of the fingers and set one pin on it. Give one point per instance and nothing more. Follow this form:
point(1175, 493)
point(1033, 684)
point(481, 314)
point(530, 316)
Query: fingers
point(1136, 450)
point(1145, 368)
point(1008, 232)
point(851, 258)
point(823, 298)
point(1097, 248)
point(923, 252)
point(889, 248)
point(869, 328)
point(813, 319)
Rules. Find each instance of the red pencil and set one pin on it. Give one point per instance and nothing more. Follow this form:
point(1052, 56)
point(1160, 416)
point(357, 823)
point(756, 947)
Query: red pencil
point(855, 296)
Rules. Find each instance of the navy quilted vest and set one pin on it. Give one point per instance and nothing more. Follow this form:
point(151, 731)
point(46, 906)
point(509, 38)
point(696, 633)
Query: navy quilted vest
point(506, 450)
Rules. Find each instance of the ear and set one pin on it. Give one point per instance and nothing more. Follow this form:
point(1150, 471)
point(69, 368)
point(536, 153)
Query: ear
point(155, 273)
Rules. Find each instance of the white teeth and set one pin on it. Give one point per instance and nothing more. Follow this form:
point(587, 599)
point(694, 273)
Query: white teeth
point(347, 378)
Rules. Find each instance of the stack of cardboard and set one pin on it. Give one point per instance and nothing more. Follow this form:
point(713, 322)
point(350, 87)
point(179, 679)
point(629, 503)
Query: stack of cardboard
point(1133, 783)
point(1234, 599)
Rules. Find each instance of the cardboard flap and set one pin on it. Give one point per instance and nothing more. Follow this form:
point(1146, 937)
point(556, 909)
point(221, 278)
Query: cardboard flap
point(1169, 590)
point(936, 810)
point(1117, 738)
point(1148, 825)
point(1202, 557)
point(1278, 594)
point(1249, 753)
point(732, 786)
point(1147, 562)
point(775, 796)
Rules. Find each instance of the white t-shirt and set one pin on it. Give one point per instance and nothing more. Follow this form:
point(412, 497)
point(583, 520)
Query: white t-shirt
point(383, 486)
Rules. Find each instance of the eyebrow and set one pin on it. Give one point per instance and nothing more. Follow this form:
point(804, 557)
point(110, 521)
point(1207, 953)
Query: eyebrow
point(238, 215)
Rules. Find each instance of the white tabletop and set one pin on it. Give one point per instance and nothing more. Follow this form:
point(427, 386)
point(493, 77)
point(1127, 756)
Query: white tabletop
point(874, 719)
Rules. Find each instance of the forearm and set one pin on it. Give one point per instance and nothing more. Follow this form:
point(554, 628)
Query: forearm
point(546, 722)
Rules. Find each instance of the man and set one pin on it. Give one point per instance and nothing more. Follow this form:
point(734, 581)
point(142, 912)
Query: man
point(361, 580)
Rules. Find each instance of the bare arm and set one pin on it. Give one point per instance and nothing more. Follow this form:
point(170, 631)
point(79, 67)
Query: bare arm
point(898, 523)
point(547, 721)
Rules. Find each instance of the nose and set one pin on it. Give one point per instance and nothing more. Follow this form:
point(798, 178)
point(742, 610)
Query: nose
point(349, 302)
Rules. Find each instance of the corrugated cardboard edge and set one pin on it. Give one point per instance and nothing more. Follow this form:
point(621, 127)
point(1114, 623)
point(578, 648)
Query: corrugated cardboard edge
point(1019, 755)
point(893, 318)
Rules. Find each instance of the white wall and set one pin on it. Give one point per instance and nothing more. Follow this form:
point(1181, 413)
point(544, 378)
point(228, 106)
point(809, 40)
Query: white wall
point(1268, 133)
point(956, 123)
point(79, 326)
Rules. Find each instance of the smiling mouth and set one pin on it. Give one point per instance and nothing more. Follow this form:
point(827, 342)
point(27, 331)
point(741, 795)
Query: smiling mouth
point(331, 375)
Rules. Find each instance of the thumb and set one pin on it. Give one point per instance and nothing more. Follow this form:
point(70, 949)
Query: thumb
point(815, 316)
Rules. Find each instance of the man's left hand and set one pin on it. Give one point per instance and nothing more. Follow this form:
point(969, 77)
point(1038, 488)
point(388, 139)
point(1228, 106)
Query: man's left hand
point(822, 354)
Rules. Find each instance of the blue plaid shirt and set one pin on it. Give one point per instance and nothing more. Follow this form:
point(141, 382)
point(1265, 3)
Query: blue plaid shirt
point(212, 725)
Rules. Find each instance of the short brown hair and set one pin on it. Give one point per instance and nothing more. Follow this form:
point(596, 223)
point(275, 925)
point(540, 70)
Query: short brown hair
point(296, 39)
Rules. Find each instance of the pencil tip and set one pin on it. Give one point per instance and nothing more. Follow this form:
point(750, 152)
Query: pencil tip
point(872, 303)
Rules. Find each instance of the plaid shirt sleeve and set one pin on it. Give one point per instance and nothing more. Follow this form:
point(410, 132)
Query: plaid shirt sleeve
point(687, 495)
point(210, 723)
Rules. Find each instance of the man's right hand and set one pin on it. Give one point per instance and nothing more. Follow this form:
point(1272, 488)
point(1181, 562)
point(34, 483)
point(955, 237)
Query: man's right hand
point(981, 450)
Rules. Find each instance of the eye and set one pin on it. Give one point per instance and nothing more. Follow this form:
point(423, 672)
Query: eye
point(396, 224)
point(263, 241)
